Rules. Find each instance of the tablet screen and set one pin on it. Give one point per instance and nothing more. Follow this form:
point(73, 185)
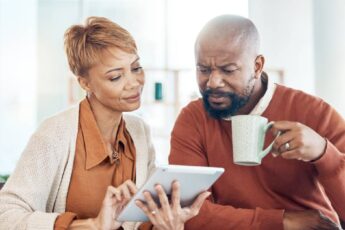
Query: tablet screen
point(193, 180)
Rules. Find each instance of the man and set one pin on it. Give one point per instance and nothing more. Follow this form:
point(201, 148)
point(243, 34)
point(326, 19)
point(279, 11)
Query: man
point(302, 184)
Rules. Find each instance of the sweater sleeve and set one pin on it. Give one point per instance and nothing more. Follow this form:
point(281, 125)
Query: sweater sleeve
point(64, 220)
point(33, 185)
point(151, 150)
point(187, 149)
point(331, 166)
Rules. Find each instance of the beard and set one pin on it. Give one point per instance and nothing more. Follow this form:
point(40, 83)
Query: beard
point(236, 101)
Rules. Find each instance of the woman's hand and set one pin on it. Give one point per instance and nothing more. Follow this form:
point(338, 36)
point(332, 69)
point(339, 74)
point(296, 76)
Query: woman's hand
point(114, 201)
point(170, 215)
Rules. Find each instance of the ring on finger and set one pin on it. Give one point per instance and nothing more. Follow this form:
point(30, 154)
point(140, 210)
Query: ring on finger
point(153, 212)
point(287, 146)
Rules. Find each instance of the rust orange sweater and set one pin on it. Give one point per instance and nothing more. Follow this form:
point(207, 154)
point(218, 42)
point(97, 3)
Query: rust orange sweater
point(256, 197)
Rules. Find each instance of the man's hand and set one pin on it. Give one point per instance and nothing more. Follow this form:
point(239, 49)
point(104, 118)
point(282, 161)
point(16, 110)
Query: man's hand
point(308, 220)
point(297, 141)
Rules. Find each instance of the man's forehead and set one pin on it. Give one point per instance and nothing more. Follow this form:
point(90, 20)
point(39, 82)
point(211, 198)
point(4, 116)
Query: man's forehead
point(220, 55)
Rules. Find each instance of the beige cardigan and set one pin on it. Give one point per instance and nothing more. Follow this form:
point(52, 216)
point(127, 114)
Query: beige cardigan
point(36, 192)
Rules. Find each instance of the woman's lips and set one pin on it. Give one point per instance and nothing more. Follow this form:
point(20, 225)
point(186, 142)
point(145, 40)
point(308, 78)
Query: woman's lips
point(133, 98)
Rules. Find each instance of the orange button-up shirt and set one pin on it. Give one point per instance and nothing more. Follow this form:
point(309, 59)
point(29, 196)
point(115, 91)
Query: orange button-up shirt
point(94, 169)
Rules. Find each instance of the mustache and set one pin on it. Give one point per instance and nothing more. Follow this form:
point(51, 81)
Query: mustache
point(217, 93)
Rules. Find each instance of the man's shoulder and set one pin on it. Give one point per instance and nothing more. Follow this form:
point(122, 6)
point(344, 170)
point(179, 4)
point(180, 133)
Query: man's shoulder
point(288, 94)
point(195, 106)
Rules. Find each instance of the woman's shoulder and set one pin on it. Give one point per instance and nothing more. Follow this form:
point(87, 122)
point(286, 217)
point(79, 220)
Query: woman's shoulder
point(59, 123)
point(135, 124)
point(133, 119)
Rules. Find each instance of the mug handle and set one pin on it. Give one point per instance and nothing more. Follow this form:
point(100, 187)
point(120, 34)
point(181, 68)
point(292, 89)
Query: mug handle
point(269, 148)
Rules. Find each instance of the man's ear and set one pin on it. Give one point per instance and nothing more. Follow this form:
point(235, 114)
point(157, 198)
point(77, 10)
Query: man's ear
point(259, 65)
point(84, 82)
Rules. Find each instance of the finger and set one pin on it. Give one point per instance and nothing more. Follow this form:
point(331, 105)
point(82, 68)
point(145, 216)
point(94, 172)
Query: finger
point(110, 193)
point(282, 126)
point(195, 207)
point(175, 195)
point(150, 202)
point(292, 154)
point(288, 146)
point(163, 199)
point(147, 211)
point(125, 193)
point(280, 141)
point(285, 125)
point(132, 187)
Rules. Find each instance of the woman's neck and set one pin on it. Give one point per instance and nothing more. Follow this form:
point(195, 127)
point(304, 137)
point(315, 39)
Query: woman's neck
point(107, 120)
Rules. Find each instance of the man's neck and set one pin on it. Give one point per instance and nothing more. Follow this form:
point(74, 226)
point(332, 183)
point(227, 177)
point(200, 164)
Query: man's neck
point(259, 91)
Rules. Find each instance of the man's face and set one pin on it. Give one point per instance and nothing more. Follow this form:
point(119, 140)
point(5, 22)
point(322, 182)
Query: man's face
point(225, 75)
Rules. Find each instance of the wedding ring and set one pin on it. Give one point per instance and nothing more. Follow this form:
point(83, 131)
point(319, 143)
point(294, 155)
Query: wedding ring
point(287, 146)
point(153, 212)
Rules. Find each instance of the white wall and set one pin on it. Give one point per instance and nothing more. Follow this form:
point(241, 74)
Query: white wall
point(286, 29)
point(329, 27)
point(17, 78)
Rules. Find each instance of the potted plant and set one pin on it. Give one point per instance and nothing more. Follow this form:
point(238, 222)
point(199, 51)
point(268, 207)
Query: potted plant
point(3, 179)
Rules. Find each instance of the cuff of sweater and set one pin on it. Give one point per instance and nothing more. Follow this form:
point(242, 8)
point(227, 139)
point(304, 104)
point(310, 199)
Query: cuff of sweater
point(270, 219)
point(330, 161)
point(41, 221)
point(146, 226)
point(64, 220)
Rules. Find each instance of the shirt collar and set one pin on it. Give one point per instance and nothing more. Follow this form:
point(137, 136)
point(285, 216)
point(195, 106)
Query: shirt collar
point(265, 100)
point(95, 148)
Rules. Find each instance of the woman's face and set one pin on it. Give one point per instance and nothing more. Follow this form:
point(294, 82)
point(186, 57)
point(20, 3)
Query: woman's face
point(116, 82)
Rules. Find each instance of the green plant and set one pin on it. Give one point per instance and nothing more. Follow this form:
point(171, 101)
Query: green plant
point(3, 178)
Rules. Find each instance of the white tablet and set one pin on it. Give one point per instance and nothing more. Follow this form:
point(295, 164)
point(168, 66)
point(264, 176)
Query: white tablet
point(193, 180)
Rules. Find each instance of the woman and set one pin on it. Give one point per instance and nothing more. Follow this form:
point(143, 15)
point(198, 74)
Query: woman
point(79, 168)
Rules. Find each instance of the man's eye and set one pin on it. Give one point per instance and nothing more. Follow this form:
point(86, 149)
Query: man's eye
point(229, 71)
point(204, 70)
point(115, 78)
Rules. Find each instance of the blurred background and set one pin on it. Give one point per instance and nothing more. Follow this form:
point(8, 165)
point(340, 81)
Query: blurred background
point(303, 42)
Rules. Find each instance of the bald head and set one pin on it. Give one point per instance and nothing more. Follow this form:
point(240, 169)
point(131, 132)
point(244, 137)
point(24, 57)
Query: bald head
point(231, 30)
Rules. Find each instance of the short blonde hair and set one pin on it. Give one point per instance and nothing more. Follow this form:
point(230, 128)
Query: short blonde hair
point(85, 43)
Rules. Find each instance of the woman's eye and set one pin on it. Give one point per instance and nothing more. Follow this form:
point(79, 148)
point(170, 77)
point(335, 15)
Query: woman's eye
point(137, 69)
point(115, 78)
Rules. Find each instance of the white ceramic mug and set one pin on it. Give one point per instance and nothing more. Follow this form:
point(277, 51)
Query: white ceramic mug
point(248, 138)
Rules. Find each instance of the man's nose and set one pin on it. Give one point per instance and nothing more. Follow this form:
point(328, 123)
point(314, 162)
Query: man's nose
point(215, 80)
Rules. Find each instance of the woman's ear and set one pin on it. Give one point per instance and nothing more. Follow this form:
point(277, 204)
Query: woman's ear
point(84, 82)
point(259, 65)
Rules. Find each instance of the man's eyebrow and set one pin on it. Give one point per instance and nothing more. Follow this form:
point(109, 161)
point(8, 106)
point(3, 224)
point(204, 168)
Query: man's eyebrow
point(227, 65)
point(201, 65)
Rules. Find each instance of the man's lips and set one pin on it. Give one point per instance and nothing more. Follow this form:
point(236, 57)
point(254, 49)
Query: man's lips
point(217, 98)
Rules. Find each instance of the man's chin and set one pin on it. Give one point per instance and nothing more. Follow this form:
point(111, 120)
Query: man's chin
point(218, 106)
